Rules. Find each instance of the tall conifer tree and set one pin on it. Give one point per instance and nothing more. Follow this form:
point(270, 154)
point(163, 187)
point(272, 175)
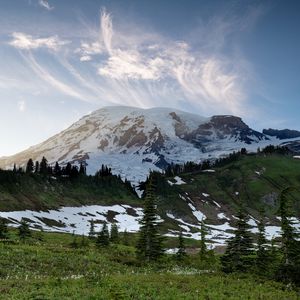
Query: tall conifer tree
point(149, 245)
point(262, 254)
point(44, 166)
point(114, 233)
point(181, 253)
point(239, 249)
point(29, 166)
point(3, 229)
point(289, 269)
point(203, 248)
point(103, 236)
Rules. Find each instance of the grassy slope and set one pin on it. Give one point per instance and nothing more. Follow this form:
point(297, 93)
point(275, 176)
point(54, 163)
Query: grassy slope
point(35, 192)
point(255, 192)
point(51, 269)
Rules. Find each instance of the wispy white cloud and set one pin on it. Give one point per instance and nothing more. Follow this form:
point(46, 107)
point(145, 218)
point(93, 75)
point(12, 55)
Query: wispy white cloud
point(27, 42)
point(85, 58)
point(45, 4)
point(87, 50)
point(133, 66)
point(107, 29)
point(50, 79)
point(209, 81)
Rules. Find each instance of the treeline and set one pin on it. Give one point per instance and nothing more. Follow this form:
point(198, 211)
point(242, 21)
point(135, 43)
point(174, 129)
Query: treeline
point(44, 168)
point(66, 172)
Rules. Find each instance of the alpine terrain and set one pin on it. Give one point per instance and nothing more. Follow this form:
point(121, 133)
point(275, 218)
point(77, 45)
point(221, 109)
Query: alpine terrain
point(133, 141)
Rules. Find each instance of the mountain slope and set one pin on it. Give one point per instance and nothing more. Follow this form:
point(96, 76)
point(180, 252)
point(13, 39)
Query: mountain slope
point(133, 140)
point(251, 181)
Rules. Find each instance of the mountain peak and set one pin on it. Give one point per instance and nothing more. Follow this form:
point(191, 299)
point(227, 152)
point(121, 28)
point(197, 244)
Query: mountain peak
point(134, 140)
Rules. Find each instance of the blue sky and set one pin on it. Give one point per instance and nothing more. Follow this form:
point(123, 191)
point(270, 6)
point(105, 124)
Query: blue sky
point(61, 59)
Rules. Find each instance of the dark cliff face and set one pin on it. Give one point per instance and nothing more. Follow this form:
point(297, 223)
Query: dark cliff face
point(220, 127)
point(282, 134)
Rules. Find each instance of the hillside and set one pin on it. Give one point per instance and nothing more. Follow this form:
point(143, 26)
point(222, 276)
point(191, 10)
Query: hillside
point(36, 192)
point(253, 182)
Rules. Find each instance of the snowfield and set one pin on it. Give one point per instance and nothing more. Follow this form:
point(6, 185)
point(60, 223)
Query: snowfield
point(78, 219)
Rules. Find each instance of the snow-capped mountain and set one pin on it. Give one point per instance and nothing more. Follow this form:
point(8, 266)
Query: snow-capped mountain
point(132, 140)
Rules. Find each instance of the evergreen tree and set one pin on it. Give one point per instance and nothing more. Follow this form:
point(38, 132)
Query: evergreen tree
point(74, 172)
point(203, 248)
point(149, 245)
point(274, 257)
point(82, 169)
point(289, 269)
point(57, 169)
point(114, 233)
point(44, 166)
point(49, 170)
point(68, 169)
point(238, 253)
point(262, 254)
point(103, 236)
point(37, 167)
point(181, 253)
point(15, 168)
point(29, 166)
point(92, 232)
point(3, 229)
point(23, 230)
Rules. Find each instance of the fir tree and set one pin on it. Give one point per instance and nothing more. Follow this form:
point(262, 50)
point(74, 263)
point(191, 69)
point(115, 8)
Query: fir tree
point(203, 248)
point(238, 253)
point(3, 229)
point(149, 245)
point(114, 233)
point(103, 236)
point(68, 169)
point(82, 169)
point(289, 269)
point(74, 172)
point(57, 169)
point(181, 253)
point(44, 166)
point(23, 230)
point(92, 232)
point(49, 170)
point(262, 254)
point(29, 166)
point(37, 167)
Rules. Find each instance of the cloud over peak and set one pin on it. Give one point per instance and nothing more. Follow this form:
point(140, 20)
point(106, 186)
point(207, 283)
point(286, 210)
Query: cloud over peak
point(206, 80)
point(137, 67)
